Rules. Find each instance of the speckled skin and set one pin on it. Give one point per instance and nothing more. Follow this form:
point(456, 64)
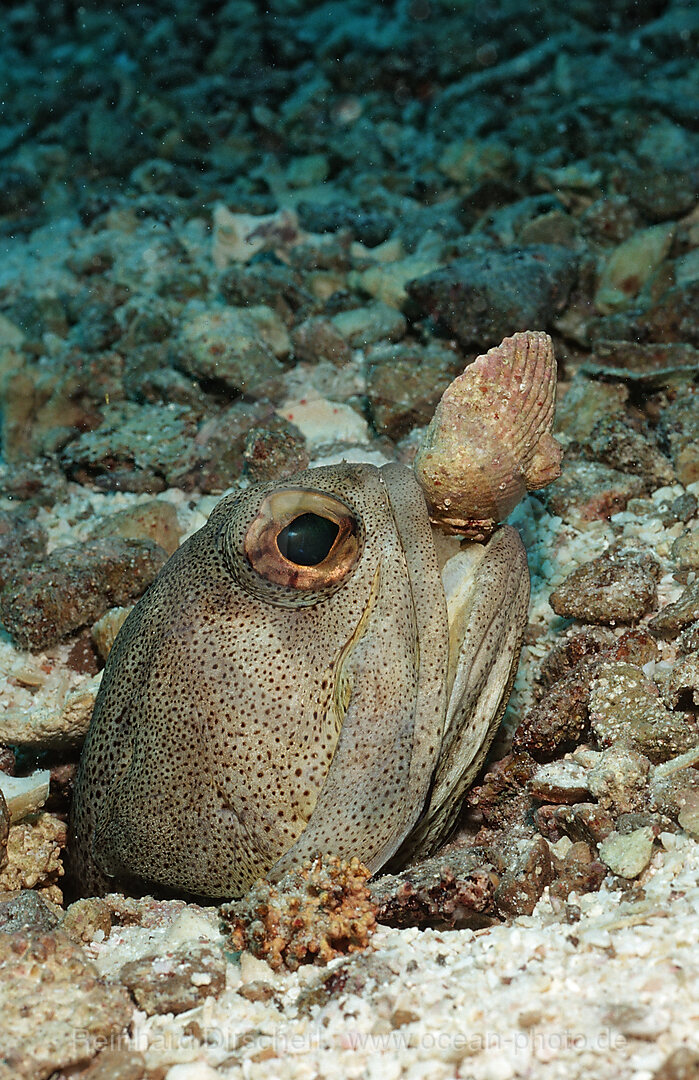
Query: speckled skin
point(242, 725)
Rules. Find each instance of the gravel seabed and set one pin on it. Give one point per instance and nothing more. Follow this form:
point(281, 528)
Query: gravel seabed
point(611, 994)
point(607, 990)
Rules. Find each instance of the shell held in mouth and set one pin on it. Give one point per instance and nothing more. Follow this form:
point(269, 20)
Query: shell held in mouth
point(490, 439)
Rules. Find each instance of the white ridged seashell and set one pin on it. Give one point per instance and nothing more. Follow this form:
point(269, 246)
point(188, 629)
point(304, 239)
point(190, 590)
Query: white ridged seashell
point(490, 439)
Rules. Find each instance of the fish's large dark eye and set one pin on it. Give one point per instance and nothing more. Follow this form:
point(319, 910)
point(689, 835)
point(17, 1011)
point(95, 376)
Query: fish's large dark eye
point(308, 539)
point(303, 539)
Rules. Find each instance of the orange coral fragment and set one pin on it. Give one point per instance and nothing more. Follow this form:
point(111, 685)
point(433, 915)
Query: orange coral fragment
point(312, 915)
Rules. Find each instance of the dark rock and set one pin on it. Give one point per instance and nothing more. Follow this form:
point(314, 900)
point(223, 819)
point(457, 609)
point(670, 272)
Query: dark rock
point(674, 317)
point(404, 384)
point(22, 541)
point(370, 227)
point(34, 484)
point(662, 191)
point(451, 889)
point(268, 282)
point(582, 821)
point(581, 873)
point(677, 616)
point(74, 586)
point(62, 782)
point(560, 720)
point(523, 881)
point(481, 300)
point(83, 656)
point(615, 588)
point(589, 491)
point(177, 981)
point(27, 911)
point(502, 799)
point(567, 654)
point(679, 422)
point(614, 443)
point(274, 452)
point(318, 339)
point(217, 454)
point(142, 449)
point(610, 220)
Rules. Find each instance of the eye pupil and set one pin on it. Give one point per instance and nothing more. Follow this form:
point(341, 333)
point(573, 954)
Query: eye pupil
point(307, 539)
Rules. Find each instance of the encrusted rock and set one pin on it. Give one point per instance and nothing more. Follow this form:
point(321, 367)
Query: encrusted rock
point(237, 348)
point(55, 1011)
point(688, 641)
point(560, 782)
point(404, 384)
point(137, 448)
point(589, 491)
point(683, 681)
point(74, 585)
point(617, 587)
point(613, 442)
point(628, 855)
point(28, 911)
point(647, 363)
point(311, 915)
point(685, 550)
point(85, 918)
point(674, 785)
point(584, 402)
point(154, 520)
point(274, 452)
point(688, 816)
point(175, 981)
point(34, 856)
point(454, 888)
point(679, 422)
point(365, 326)
point(618, 779)
point(625, 706)
point(677, 616)
point(4, 829)
point(22, 541)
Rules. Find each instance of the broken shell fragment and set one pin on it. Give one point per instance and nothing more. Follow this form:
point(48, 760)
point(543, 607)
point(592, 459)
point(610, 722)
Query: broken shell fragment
point(490, 439)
